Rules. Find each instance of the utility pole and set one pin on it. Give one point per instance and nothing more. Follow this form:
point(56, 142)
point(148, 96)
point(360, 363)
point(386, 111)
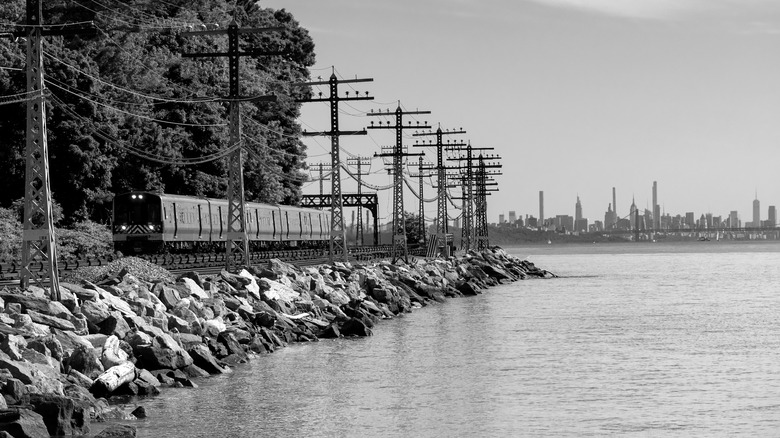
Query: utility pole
point(322, 168)
point(237, 244)
point(442, 228)
point(399, 223)
point(421, 168)
point(359, 162)
point(39, 243)
point(467, 178)
point(338, 238)
point(481, 228)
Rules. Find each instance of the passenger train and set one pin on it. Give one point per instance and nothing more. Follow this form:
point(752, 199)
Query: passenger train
point(145, 222)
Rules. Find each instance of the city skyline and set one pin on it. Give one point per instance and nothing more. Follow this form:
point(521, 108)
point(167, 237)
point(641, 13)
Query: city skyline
point(747, 219)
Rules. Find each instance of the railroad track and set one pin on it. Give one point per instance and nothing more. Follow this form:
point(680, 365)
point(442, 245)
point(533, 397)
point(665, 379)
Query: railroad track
point(206, 264)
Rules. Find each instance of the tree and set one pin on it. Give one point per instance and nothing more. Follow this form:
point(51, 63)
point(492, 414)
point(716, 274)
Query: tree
point(100, 110)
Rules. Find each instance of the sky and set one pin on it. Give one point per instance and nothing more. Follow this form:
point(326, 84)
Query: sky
point(576, 96)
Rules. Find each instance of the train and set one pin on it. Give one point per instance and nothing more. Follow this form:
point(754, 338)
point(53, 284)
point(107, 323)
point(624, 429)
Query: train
point(146, 222)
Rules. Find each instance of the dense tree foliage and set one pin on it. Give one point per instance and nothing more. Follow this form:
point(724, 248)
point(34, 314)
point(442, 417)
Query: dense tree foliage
point(100, 109)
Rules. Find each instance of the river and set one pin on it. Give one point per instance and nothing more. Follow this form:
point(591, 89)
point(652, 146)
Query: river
point(633, 340)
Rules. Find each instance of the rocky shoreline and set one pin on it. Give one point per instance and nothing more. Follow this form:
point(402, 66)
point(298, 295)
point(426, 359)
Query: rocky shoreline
point(61, 362)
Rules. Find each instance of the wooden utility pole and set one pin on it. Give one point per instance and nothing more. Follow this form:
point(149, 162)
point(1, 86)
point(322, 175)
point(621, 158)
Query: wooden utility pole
point(338, 238)
point(237, 244)
point(398, 154)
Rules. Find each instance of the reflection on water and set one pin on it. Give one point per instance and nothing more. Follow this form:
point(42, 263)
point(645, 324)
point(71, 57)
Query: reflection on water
point(658, 341)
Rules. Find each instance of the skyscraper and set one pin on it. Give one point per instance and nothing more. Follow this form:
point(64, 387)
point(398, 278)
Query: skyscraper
point(541, 208)
point(772, 218)
point(656, 208)
point(578, 209)
point(512, 217)
point(756, 212)
point(614, 205)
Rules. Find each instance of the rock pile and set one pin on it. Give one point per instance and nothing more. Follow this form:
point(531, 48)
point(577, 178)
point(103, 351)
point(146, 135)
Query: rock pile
point(60, 361)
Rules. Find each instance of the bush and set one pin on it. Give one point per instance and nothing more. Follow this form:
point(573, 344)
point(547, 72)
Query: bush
point(84, 239)
point(10, 235)
point(80, 240)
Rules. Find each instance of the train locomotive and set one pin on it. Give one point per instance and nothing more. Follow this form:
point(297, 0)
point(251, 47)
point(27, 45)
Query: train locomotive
point(145, 222)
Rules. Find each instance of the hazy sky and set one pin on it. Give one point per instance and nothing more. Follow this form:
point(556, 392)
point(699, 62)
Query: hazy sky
point(578, 96)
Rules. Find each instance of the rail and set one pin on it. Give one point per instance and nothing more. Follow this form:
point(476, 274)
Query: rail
point(9, 270)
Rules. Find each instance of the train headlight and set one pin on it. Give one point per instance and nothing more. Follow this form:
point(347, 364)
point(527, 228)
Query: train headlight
point(133, 196)
point(140, 196)
point(123, 227)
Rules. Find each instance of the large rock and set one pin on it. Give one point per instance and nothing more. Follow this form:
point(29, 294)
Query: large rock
point(164, 352)
point(168, 296)
point(23, 423)
point(113, 378)
point(355, 327)
point(51, 321)
point(202, 357)
point(86, 360)
point(115, 324)
point(118, 431)
point(82, 293)
point(62, 415)
point(112, 354)
point(194, 288)
point(13, 345)
point(95, 311)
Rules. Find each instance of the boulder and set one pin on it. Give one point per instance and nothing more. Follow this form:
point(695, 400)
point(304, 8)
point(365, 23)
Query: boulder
point(82, 293)
point(113, 378)
point(86, 361)
point(202, 357)
point(118, 431)
point(112, 355)
point(115, 324)
point(23, 423)
point(164, 352)
point(61, 415)
point(14, 392)
point(194, 288)
point(168, 296)
point(355, 327)
point(51, 321)
point(13, 345)
point(95, 311)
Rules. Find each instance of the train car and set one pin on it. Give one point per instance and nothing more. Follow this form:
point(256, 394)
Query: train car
point(148, 222)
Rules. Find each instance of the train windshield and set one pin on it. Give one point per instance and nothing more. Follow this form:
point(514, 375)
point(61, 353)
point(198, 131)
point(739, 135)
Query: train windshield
point(136, 210)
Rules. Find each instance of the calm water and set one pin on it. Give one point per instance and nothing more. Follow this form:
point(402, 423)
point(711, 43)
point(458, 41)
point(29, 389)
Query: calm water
point(654, 340)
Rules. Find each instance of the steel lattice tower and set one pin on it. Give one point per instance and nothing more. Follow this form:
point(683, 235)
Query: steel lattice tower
point(442, 227)
point(338, 237)
point(399, 222)
point(237, 242)
point(481, 229)
point(38, 239)
point(359, 162)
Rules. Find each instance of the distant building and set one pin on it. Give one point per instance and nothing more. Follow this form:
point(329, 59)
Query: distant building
point(756, 213)
point(772, 217)
point(512, 218)
point(541, 207)
point(709, 222)
point(500, 219)
point(733, 219)
point(632, 215)
point(596, 226)
point(656, 208)
point(532, 222)
point(581, 225)
point(717, 222)
point(690, 222)
point(610, 220)
point(578, 210)
point(564, 222)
